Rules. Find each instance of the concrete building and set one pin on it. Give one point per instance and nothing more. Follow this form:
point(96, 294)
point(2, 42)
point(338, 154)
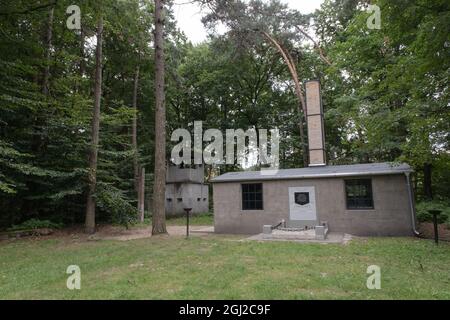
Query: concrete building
point(185, 188)
point(361, 199)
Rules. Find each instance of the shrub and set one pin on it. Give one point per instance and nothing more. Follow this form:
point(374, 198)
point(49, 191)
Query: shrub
point(34, 224)
point(113, 201)
point(424, 216)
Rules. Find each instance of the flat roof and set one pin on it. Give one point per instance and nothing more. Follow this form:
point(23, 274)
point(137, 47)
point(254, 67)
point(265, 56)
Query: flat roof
point(366, 169)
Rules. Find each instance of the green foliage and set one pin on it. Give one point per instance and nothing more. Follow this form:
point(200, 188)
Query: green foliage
point(44, 138)
point(385, 95)
point(423, 208)
point(33, 224)
point(113, 201)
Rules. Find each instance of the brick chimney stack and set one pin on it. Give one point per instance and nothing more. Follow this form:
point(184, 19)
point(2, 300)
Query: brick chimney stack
point(314, 119)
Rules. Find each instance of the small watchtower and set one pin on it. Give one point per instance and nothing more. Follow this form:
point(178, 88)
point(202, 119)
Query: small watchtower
point(185, 187)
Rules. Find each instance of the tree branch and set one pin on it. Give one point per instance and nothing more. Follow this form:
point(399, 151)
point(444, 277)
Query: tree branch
point(290, 63)
point(316, 46)
point(29, 10)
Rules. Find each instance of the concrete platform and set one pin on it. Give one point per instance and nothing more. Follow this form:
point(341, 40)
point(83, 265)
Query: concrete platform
point(307, 236)
point(196, 229)
point(290, 234)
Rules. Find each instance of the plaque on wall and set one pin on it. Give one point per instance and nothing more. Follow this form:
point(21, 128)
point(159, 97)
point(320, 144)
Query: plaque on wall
point(301, 198)
point(302, 204)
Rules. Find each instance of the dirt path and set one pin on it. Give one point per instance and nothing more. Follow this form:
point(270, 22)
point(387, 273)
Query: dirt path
point(173, 231)
point(427, 230)
point(109, 232)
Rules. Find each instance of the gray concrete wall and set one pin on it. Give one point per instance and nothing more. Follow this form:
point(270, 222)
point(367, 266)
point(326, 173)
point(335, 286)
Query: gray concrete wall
point(186, 195)
point(175, 174)
point(391, 215)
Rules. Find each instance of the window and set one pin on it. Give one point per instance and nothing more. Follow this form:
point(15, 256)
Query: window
point(359, 194)
point(252, 196)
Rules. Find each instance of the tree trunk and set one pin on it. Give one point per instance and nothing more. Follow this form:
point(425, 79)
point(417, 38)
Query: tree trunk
point(93, 152)
point(134, 131)
point(82, 61)
point(42, 80)
point(415, 185)
point(427, 191)
point(159, 189)
point(82, 53)
point(48, 45)
point(304, 146)
point(141, 194)
point(298, 91)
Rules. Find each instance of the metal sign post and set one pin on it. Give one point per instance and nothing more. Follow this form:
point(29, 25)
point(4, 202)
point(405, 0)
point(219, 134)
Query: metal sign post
point(435, 214)
point(187, 221)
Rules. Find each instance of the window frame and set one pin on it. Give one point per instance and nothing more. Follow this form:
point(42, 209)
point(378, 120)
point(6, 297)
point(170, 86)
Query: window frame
point(368, 184)
point(255, 201)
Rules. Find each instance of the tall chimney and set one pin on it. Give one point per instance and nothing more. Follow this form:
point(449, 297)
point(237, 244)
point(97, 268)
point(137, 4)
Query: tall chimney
point(314, 119)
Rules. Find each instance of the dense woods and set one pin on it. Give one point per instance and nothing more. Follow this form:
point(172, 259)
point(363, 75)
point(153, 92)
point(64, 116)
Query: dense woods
point(77, 106)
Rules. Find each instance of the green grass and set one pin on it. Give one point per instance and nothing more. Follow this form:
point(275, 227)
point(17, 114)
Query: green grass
point(204, 219)
point(216, 267)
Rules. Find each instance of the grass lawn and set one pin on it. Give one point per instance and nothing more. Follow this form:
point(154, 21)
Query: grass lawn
point(204, 219)
point(218, 267)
